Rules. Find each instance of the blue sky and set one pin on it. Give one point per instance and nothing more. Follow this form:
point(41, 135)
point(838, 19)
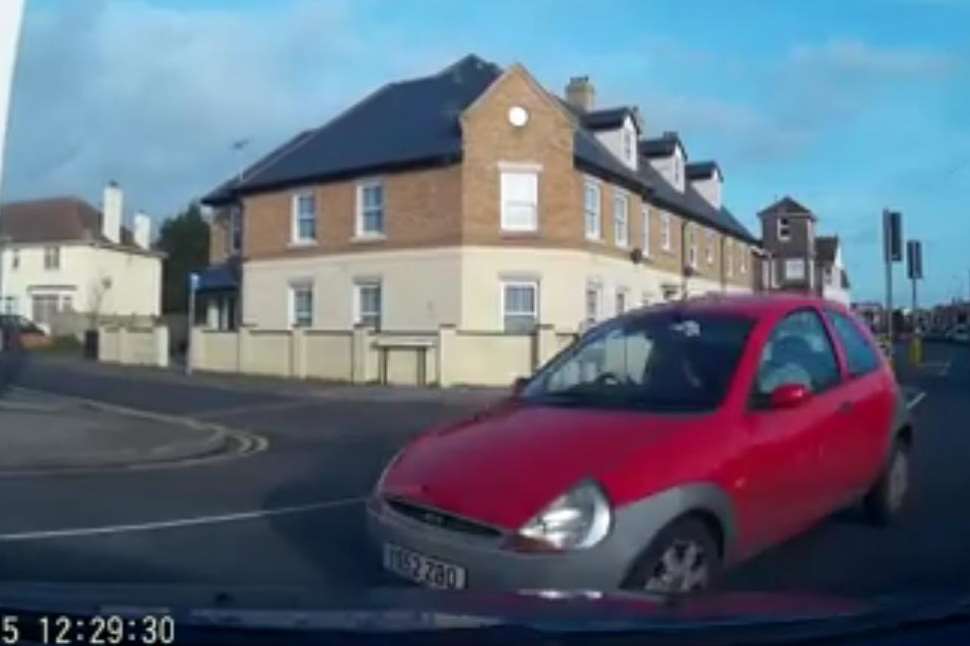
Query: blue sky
point(848, 107)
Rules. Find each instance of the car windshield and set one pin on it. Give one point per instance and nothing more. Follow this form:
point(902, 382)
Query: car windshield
point(660, 362)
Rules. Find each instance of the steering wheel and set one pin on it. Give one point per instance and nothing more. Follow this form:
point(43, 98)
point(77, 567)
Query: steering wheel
point(606, 379)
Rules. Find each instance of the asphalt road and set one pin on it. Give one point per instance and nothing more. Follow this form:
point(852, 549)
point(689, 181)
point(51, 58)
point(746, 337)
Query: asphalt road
point(293, 513)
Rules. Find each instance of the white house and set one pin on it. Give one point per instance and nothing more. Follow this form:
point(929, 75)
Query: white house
point(833, 280)
point(62, 255)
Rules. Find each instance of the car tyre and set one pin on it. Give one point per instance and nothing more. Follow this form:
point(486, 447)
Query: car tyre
point(887, 499)
point(683, 558)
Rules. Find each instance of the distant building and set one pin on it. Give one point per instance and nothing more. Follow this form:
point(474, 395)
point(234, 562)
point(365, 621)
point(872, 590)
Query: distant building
point(945, 316)
point(831, 279)
point(873, 313)
point(795, 258)
point(63, 255)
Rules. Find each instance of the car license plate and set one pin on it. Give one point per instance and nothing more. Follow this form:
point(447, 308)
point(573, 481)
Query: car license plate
point(423, 569)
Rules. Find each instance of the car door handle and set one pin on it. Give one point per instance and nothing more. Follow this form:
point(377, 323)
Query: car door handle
point(846, 407)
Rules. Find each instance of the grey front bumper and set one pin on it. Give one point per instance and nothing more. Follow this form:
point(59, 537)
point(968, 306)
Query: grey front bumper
point(488, 566)
point(602, 567)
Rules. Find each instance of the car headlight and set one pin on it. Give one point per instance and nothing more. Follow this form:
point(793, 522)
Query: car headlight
point(578, 519)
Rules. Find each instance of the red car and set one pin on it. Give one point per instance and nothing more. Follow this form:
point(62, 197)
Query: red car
point(665, 444)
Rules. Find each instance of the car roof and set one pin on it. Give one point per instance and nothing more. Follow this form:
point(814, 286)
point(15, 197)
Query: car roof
point(751, 305)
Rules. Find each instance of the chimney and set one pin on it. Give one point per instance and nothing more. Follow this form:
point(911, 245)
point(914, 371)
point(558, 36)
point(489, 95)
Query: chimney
point(143, 230)
point(111, 209)
point(580, 93)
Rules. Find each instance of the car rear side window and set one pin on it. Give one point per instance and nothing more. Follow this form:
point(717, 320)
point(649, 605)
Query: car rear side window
point(798, 352)
point(860, 356)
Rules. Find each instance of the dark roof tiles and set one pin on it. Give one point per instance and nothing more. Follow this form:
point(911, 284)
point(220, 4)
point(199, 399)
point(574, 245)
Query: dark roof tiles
point(416, 122)
point(56, 219)
point(702, 170)
point(786, 206)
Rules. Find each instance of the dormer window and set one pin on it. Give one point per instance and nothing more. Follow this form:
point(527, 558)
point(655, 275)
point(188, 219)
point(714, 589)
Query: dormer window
point(628, 150)
point(784, 229)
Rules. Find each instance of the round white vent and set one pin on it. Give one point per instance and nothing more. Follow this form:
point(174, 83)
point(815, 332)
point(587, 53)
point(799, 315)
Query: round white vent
point(518, 116)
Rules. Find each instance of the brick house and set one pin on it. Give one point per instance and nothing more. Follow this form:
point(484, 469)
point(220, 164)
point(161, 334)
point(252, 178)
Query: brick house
point(796, 258)
point(473, 197)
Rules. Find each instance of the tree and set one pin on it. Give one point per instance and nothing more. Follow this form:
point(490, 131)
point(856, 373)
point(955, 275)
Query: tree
point(185, 238)
point(97, 290)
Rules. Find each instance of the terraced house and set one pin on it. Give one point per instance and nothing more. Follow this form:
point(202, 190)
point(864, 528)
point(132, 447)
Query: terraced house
point(476, 198)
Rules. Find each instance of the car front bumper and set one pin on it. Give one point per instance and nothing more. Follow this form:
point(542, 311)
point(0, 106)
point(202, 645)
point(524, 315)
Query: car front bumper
point(490, 566)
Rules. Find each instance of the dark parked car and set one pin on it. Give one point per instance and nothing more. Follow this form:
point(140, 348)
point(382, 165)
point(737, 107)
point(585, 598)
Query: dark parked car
point(20, 332)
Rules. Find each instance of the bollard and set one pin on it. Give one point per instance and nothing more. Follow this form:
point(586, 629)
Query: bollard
point(916, 350)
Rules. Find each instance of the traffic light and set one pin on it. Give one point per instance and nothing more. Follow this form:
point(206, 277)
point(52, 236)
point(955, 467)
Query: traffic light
point(914, 259)
point(892, 235)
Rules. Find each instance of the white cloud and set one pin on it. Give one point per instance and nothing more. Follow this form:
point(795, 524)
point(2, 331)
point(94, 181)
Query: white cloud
point(153, 96)
point(856, 58)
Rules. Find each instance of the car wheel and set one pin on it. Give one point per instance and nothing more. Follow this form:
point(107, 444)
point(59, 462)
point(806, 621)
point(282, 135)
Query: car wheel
point(683, 558)
point(887, 499)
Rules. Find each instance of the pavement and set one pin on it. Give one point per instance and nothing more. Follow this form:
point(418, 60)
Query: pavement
point(292, 513)
point(49, 433)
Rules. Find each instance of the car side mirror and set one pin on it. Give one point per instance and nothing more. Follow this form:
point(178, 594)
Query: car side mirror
point(519, 385)
point(789, 395)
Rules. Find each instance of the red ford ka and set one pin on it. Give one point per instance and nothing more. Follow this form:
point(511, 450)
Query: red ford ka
point(665, 444)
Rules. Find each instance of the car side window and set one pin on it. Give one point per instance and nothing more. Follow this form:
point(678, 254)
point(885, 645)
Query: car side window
point(860, 356)
point(797, 352)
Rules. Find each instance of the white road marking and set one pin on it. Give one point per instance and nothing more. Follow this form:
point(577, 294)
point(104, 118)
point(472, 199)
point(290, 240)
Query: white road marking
point(912, 403)
point(178, 522)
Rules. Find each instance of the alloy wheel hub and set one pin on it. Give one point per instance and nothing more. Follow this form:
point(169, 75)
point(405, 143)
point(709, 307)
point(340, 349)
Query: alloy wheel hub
point(681, 568)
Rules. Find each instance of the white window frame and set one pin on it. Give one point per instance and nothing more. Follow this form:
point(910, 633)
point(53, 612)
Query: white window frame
point(691, 248)
point(784, 229)
point(295, 237)
point(665, 235)
point(361, 284)
point(790, 262)
point(236, 229)
point(645, 215)
point(506, 174)
point(299, 286)
point(710, 247)
point(621, 293)
point(597, 288)
point(744, 260)
point(533, 285)
point(52, 258)
point(620, 198)
point(8, 305)
point(729, 257)
point(362, 186)
point(595, 215)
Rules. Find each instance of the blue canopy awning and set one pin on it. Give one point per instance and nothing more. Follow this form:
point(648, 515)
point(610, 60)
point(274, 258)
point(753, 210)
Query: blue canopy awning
point(222, 277)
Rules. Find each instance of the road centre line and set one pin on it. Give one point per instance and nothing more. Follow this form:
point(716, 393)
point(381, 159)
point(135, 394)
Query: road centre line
point(914, 402)
point(179, 522)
